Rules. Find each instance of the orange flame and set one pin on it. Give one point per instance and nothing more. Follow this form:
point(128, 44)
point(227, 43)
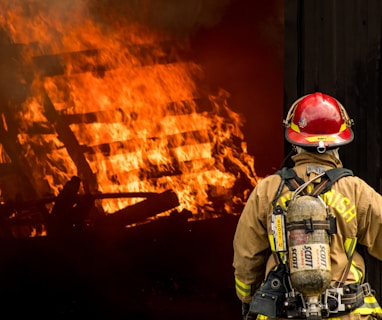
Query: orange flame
point(139, 110)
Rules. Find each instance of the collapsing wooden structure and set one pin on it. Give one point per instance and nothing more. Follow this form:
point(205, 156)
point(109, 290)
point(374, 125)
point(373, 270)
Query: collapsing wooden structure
point(47, 149)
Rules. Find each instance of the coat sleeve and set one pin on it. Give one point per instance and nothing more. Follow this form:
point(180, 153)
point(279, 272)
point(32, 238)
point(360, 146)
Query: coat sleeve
point(370, 221)
point(251, 245)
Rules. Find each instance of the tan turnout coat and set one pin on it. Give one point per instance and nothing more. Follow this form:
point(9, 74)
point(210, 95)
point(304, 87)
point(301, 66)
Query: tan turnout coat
point(356, 205)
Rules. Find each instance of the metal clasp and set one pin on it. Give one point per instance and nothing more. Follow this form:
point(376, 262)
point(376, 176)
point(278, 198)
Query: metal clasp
point(366, 289)
point(334, 294)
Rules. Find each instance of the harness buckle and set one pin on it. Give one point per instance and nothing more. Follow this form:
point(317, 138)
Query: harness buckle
point(308, 225)
point(332, 300)
point(366, 288)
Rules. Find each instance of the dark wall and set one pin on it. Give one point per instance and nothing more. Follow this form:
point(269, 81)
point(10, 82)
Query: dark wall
point(333, 46)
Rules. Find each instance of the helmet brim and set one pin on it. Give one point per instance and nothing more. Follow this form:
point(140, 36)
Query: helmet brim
point(310, 140)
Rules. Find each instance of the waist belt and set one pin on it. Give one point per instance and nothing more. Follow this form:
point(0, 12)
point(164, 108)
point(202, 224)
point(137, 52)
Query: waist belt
point(344, 299)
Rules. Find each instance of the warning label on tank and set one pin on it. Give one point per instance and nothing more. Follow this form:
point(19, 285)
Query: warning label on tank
point(309, 257)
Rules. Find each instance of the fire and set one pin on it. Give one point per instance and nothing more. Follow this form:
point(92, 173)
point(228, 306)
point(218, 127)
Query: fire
point(118, 101)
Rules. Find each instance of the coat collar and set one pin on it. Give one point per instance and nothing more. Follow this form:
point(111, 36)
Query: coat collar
point(324, 159)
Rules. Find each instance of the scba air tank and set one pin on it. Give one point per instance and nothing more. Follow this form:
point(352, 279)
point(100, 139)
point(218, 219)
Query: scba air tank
point(308, 241)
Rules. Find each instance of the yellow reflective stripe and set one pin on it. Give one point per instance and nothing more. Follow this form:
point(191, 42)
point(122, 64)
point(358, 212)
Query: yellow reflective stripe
point(294, 127)
point(321, 138)
point(242, 288)
point(349, 245)
point(282, 255)
point(261, 317)
point(272, 242)
point(356, 273)
point(370, 306)
point(343, 127)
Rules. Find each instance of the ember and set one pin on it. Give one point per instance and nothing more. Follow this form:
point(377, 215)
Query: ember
point(118, 104)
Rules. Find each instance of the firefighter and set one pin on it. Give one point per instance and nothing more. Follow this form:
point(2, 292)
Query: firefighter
point(316, 126)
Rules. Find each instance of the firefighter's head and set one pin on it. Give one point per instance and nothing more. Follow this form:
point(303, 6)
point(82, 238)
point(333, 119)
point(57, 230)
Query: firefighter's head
point(318, 121)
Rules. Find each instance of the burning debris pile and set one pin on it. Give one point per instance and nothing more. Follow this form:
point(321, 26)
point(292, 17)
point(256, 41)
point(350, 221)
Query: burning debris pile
point(98, 102)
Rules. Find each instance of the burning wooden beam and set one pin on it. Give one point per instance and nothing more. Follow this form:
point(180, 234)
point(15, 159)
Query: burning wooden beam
point(185, 107)
point(72, 145)
point(139, 212)
point(171, 141)
point(71, 210)
point(92, 60)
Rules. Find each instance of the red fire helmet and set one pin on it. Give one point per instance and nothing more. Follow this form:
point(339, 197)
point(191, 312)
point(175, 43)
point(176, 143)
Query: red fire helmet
point(318, 120)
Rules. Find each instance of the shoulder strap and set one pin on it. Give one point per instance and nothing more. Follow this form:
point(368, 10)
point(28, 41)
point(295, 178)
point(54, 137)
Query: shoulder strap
point(292, 181)
point(331, 176)
point(290, 178)
point(338, 173)
point(286, 174)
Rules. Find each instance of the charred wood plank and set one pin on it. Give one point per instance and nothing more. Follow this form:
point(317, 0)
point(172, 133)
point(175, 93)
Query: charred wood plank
point(73, 147)
point(38, 128)
point(80, 61)
point(20, 165)
point(173, 141)
point(19, 168)
point(184, 107)
point(98, 196)
point(174, 169)
point(16, 82)
point(15, 88)
point(91, 60)
point(141, 211)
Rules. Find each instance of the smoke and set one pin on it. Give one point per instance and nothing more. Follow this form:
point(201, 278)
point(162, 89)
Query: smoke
point(174, 17)
point(178, 19)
